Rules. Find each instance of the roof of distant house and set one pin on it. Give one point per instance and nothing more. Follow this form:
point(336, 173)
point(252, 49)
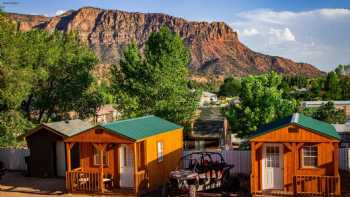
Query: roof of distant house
point(105, 109)
point(342, 128)
point(142, 127)
point(65, 128)
point(314, 125)
point(316, 103)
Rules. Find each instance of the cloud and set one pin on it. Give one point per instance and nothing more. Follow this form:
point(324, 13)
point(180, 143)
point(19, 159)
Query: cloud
point(282, 34)
point(59, 12)
point(250, 32)
point(319, 37)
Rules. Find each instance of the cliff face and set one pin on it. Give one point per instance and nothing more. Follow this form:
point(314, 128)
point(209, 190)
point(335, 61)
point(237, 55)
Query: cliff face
point(215, 47)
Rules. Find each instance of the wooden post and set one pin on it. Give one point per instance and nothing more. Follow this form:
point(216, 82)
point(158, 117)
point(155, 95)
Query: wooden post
point(101, 148)
point(336, 159)
point(135, 169)
point(294, 185)
point(68, 157)
point(68, 167)
point(253, 176)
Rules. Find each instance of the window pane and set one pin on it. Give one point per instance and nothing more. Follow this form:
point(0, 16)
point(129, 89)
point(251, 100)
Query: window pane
point(310, 156)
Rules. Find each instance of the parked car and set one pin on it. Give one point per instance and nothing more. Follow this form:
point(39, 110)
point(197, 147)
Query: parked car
point(199, 171)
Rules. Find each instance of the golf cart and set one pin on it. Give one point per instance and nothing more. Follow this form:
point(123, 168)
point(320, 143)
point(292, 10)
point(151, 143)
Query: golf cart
point(199, 171)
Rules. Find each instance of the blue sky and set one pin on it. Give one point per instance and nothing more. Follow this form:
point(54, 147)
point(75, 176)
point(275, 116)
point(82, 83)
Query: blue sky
point(313, 31)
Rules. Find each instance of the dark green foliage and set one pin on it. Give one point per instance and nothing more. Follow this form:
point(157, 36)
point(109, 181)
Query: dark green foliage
point(155, 84)
point(327, 112)
point(332, 87)
point(261, 102)
point(231, 87)
point(42, 73)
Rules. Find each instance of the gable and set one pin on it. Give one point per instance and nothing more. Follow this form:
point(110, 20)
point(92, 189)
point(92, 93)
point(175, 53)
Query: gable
point(99, 135)
point(284, 134)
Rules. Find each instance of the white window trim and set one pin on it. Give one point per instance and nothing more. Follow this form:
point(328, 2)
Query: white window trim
point(160, 151)
point(302, 157)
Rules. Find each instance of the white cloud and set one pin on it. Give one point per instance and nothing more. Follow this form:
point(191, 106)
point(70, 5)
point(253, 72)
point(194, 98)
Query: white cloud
point(282, 34)
point(59, 12)
point(319, 37)
point(250, 32)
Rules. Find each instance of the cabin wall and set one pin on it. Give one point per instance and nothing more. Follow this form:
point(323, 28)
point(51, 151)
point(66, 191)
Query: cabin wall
point(292, 156)
point(42, 146)
point(158, 172)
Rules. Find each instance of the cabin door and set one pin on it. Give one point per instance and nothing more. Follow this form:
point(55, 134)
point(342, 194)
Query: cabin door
point(272, 166)
point(126, 164)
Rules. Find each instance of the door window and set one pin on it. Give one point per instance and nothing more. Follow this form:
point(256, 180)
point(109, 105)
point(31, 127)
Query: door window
point(272, 157)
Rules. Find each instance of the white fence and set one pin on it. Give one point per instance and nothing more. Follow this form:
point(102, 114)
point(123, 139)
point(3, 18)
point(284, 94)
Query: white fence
point(344, 159)
point(239, 158)
point(13, 158)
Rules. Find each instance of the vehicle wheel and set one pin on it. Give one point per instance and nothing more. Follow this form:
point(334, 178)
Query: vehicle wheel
point(192, 191)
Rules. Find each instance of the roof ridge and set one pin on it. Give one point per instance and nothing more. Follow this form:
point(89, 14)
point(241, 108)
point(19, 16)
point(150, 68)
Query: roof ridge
point(129, 119)
point(295, 118)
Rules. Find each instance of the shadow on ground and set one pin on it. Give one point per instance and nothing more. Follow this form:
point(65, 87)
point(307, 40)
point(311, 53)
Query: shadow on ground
point(17, 182)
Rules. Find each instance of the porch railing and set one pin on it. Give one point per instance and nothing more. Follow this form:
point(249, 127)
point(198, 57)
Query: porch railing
point(316, 185)
point(80, 181)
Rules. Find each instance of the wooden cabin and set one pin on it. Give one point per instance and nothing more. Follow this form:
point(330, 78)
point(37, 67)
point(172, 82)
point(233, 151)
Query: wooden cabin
point(297, 155)
point(132, 156)
point(47, 150)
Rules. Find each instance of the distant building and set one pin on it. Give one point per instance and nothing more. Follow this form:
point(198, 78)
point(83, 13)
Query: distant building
point(345, 105)
point(209, 131)
point(344, 132)
point(106, 113)
point(208, 98)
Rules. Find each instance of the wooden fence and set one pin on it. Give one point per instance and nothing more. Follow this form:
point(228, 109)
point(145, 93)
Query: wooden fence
point(316, 185)
point(13, 158)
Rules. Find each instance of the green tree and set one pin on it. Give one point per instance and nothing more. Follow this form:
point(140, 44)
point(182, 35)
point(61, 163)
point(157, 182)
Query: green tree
point(231, 87)
point(332, 86)
point(327, 112)
point(261, 103)
point(156, 84)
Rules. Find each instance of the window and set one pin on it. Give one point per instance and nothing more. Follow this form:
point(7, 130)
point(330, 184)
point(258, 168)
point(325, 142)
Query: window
point(97, 157)
point(309, 156)
point(160, 151)
point(272, 157)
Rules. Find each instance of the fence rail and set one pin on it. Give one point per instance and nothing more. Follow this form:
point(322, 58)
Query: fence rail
point(316, 185)
point(80, 181)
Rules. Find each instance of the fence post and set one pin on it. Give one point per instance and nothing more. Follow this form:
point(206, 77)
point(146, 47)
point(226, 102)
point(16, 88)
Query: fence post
point(294, 186)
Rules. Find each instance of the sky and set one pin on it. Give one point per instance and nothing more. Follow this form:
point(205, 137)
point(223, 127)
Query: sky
point(311, 31)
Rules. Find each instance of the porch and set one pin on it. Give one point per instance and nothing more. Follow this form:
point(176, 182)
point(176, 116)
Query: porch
point(106, 168)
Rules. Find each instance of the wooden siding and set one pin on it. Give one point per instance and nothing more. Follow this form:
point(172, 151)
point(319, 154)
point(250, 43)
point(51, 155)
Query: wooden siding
point(284, 135)
point(104, 137)
point(293, 142)
point(158, 172)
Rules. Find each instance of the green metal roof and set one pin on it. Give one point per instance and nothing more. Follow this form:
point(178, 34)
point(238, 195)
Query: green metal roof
point(301, 120)
point(142, 127)
point(69, 127)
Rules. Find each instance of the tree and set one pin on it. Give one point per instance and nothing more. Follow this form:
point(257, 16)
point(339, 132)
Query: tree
point(327, 113)
point(332, 86)
point(67, 65)
point(157, 83)
point(340, 70)
point(345, 87)
point(261, 103)
point(231, 87)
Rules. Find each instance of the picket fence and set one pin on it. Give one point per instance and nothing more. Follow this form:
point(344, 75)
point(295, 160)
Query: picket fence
point(13, 159)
